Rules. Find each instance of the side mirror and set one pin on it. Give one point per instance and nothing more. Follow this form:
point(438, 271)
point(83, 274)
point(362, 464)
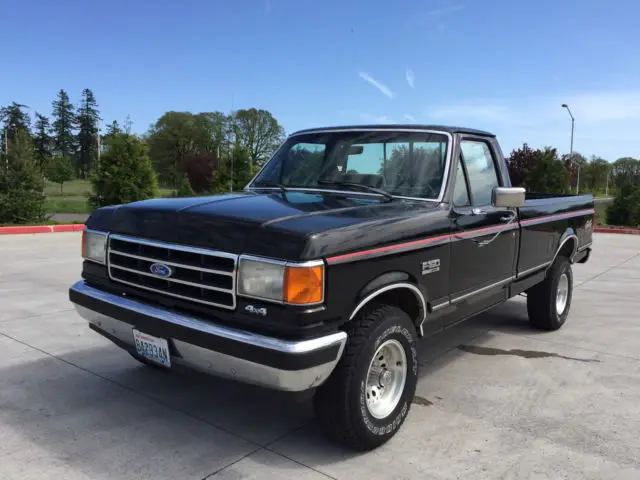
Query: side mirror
point(508, 197)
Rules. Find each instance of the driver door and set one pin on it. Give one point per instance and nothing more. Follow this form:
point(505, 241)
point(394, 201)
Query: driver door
point(483, 248)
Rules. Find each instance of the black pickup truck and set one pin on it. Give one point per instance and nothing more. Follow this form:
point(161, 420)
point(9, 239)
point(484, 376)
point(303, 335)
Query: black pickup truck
point(348, 246)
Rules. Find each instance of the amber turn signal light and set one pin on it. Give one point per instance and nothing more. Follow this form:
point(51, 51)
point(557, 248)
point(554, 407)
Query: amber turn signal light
point(303, 285)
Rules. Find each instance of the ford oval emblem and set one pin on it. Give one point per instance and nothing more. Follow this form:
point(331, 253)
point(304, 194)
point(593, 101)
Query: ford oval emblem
point(161, 270)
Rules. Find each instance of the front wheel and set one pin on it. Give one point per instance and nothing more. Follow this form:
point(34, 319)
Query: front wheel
point(548, 302)
point(369, 394)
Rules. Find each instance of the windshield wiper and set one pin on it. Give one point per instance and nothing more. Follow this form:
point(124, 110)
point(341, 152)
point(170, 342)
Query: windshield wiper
point(269, 183)
point(366, 188)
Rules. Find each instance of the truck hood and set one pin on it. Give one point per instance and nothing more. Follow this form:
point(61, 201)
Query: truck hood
point(293, 226)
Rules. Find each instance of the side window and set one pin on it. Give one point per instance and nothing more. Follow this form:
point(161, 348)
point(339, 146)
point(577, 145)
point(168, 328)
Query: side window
point(460, 192)
point(481, 170)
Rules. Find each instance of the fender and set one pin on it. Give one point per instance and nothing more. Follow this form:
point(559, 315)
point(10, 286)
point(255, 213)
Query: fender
point(391, 281)
point(384, 280)
point(568, 236)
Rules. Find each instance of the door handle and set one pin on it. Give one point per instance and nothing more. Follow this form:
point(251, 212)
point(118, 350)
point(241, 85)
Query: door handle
point(508, 218)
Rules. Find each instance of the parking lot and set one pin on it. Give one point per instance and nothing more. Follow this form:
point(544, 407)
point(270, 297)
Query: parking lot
point(496, 399)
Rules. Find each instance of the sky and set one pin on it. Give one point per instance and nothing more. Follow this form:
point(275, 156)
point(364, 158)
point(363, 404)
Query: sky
point(500, 65)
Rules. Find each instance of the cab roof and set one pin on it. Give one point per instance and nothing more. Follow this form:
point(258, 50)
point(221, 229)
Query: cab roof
point(399, 126)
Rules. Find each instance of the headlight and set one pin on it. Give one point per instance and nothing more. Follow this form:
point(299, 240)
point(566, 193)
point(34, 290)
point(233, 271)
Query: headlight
point(94, 246)
point(298, 284)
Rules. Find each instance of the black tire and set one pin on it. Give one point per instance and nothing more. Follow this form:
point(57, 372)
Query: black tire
point(541, 298)
point(340, 403)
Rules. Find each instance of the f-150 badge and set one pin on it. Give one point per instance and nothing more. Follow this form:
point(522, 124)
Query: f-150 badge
point(430, 266)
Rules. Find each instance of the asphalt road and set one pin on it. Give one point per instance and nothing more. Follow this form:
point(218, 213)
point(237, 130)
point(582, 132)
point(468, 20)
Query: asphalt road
point(496, 399)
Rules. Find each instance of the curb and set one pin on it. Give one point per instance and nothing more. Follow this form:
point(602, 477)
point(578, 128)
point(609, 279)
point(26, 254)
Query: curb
point(24, 229)
point(621, 230)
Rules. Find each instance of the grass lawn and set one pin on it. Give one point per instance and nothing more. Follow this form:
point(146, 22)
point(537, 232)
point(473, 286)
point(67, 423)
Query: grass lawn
point(80, 188)
point(67, 205)
point(73, 188)
point(74, 196)
point(601, 213)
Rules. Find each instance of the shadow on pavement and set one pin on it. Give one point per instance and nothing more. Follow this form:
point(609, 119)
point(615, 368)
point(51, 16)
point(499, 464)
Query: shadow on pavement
point(140, 412)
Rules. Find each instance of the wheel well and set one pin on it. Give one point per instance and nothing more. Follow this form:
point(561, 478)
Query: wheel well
point(405, 300)
point(568, 248)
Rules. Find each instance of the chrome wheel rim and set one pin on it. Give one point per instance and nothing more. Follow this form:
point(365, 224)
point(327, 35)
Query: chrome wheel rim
point(562, 294)
point(386, 378)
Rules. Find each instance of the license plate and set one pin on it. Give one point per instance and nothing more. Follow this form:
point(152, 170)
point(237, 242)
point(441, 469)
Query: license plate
point(152, 348)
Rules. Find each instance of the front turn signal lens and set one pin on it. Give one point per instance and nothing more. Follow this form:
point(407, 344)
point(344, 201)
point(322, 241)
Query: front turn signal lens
point(303, 285)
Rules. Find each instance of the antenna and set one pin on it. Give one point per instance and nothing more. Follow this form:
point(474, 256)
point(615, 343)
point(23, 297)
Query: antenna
point(231, 145)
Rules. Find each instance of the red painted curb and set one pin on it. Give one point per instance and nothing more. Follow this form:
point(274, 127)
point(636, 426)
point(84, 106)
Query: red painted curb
point(24, 229)
point(626, 231)
point(75, 227)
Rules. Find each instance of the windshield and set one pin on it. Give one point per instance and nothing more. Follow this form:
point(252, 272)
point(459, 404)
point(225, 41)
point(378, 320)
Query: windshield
point(405, 164)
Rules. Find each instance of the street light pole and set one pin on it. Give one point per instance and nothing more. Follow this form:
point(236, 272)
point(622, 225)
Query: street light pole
point(573, 121)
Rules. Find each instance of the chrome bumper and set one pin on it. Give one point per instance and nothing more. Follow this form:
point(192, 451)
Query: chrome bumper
point(201, 345)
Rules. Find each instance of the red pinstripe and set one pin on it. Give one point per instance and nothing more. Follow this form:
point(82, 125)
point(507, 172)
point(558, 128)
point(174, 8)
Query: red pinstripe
point(426, 241)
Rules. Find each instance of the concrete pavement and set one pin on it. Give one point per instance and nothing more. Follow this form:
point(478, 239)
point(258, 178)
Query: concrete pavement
point(496, 399)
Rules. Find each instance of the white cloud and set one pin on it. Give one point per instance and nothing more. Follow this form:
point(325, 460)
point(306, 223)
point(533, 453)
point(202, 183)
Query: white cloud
point(606, 123)
point(410, 78)
point(598, 107)
point(383, 88)
point(369, 118)
point(411, 118)
point(444, 10)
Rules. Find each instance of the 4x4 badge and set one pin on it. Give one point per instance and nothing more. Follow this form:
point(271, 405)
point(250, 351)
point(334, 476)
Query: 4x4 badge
point(256, 311)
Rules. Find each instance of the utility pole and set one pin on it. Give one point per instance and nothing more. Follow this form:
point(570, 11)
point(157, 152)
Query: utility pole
point(6, 149)
point(564, 105)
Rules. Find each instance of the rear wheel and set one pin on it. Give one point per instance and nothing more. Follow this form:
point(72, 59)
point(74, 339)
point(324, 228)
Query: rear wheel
point(549, 302)
point(369, 394)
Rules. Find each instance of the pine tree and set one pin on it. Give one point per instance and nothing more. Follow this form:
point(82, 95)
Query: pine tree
point(42, 141)
point(125, 173)
point(62, 128)
point(21, 183)
point(87, 118)
point(13, 119)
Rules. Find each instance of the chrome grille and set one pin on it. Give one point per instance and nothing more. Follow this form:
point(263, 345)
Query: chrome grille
point(198, 275)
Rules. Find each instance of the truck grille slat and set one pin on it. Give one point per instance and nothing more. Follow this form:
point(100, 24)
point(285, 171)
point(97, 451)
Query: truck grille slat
point(199, 275)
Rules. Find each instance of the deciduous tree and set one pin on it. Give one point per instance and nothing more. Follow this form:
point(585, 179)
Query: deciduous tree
point(60, 170)
point(258, 133)
point(519, 163)
point(548, 174)
point(626, 170)
point(199, 170)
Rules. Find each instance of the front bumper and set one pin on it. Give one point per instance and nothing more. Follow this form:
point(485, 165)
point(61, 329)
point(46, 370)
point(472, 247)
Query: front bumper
point(287, 365)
